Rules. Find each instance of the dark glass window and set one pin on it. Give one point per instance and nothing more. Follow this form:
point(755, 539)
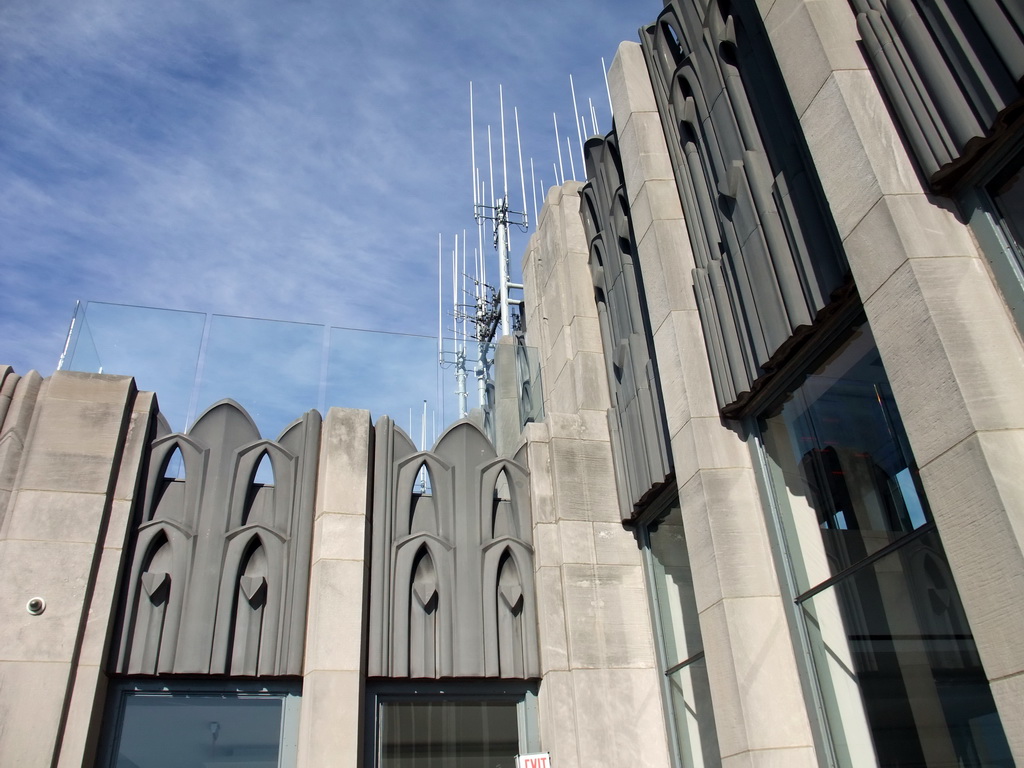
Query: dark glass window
point(680, 647)
point(158, 726)
point(898, 674)
point(448, 734)
point(450, 724)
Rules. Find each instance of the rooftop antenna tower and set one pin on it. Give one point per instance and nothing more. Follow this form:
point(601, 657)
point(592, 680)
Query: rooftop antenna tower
point(496, 209)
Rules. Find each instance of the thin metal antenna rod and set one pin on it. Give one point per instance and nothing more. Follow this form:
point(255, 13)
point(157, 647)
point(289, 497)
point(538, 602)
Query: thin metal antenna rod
point(464, 296)
point(607, 90)
point(423, 447)
point(440, 308)
point(504, 165)
point(593, 117)
point(482, 263)
point(572, 165)
point(558, 145)
point(576, 119)
point(472, 144)
point(490, 160)
point(522, 177)
point(583, 123)
point(533, 187)
point(554, 168)
point(492, 304)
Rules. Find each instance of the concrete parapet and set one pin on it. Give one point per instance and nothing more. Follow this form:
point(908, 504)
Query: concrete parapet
point(82, 438)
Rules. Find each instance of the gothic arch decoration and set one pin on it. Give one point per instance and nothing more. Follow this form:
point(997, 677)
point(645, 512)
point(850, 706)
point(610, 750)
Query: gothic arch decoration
point(636, 419)
point(219, 573)
point(769, 262)
point(508, 615)
point(474, 521)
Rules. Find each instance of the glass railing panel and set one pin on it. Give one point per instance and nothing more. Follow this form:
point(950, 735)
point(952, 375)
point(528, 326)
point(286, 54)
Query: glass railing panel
point(271, 368)
point(387, 373)
point(278, 370)
point(159, 347)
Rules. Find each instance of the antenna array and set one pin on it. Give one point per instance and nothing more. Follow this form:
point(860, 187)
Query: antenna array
point(480, 312)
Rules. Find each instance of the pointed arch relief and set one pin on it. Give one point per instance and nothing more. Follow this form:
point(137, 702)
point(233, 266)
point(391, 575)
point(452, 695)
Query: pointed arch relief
point(175, 477)
point(422, 509)
point(250, 606)
point(424, 629)
point(510, 615)
point(248, 603)
point(264, 478)
point(225, 422)
point(510, 601)
point(504, 500)
point(464, 444)
point(174, 465)
point(417, 511)
point(423, 589)
point(158, 578)
point(259, 492)
point(153, 596)
point(503, 522)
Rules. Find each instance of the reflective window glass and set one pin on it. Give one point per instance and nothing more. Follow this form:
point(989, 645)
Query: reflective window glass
point(900, 674)
point(680, 647)
point(448, 734)
point(694, 721)
point(841, 465)
point(161, 728)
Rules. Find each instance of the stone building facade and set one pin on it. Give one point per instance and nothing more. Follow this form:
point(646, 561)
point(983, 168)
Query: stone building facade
point(772, 515)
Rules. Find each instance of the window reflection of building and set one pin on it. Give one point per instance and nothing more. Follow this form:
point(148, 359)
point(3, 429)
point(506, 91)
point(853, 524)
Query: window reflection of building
point(897, 671)
point(680, 646)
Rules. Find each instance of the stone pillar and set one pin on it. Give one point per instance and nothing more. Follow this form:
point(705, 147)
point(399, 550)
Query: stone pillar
point(599, 701)
point(952, 353)
point(506, 397)
point(62, 541)
point(758, 702)
point(330, 726)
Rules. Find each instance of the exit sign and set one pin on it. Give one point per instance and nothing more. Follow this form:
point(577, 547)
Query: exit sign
point(539, 760)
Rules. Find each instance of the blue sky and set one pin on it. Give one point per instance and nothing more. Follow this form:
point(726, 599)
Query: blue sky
point(292, 159)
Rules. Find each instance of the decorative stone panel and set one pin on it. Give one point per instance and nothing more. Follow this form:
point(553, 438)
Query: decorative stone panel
point(636, 419)
point(953, 72)
point(768, 258)
point(451, 575)
point(219, 573)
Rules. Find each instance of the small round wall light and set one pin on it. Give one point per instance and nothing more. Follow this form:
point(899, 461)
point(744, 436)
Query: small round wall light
point(35, 606)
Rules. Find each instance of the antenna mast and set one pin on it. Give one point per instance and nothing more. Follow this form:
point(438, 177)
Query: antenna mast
point(502, 217)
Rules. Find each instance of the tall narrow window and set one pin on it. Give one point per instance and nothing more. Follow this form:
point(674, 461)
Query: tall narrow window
point(680, 647)
point(898, 672)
